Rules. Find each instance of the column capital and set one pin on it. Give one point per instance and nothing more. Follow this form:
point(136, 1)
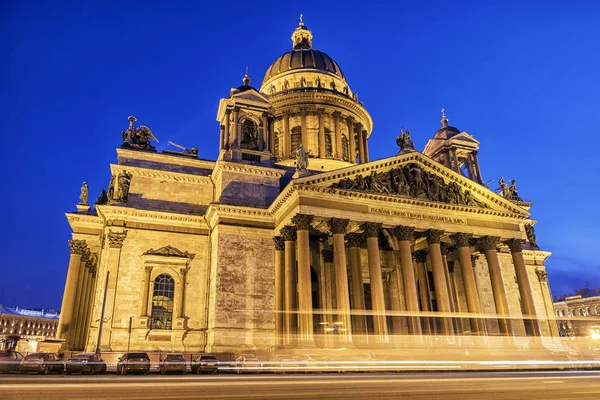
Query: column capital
point(228, 111)
point(404, 232)
point(451, 266)
point(116, 239)
point(302, 221)
point(92, 261)
point(515, 245)
point(336, 114)
point(148, 269)
point(474, 258)
point(77, 246)
point(288, 233)
point(487, 243)
point(303, 111)
point(327, 256)
point(541, 274)
point(355, 239)
point(320, 112)
point(184, 271)
point(364, 132)
point(447, 248)
point(85, 256)
point(371, 229)
point(461, 239)
point(421, 256)
point(338, 225)
point(279, 243)
point(433, 236)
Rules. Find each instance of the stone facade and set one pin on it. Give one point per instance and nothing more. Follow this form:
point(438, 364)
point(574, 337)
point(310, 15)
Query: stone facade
point(181, 256)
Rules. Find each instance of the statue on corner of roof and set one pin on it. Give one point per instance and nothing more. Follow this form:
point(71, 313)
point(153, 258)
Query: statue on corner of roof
point(103, 198)
point(404, 141)
point(83, 196)
point(138, 138)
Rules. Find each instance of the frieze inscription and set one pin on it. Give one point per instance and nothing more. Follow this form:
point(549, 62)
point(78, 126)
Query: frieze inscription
point(424, 217)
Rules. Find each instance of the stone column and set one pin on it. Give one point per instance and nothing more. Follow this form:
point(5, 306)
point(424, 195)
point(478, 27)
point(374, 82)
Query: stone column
point(439, 279)
point(471, 292)
point(235, 138)
point(377, 297)
point(86, 300)
point(421, 258)
point(449, 272)
point(181, 298)
point(90, 306)
point(221, 137)
point(77, 247)
point(227, 143)
point(351, 141)
point(305, 318)
point(542, 276)
point(322, 152)
point(264, 138)
point(303, 113)
point(361, 143)
point(366, 145)
point(338, 135)
point(290, 320)
point(271, 122)
point(398, 326)
point(338, 229)
point(476, 164)
point(78, 303)
point(487, 245)
point(144, 312)
point(287, 136)
point(531, 322)
point(359, 320)
point(405, 235)
point(279, 288)
point(113, 260)
point(328, 290)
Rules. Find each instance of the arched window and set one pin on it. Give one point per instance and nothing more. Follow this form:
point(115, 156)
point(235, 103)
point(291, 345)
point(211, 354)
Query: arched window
point(464, 168)
point(296, 140)
point(345, 155)
point(249, 135)
point(162, 302)
point(328, 148)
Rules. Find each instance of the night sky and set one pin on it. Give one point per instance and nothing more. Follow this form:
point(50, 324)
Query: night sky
point(522, 77)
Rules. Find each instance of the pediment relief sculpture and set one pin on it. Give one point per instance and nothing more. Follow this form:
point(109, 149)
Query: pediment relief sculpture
point(169, 251)
point(411, 180)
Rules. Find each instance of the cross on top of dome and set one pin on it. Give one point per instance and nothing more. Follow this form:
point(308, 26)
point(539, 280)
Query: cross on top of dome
point(302, 36)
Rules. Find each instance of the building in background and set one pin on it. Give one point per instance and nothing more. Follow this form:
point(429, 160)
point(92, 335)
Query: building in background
point(579, 314)
point(294, 234)
point(20, 324)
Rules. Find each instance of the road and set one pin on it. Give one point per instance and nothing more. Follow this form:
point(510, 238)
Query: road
point(452, 385)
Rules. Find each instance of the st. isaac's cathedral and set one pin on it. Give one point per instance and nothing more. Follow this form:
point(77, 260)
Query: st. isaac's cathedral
point(295, 237)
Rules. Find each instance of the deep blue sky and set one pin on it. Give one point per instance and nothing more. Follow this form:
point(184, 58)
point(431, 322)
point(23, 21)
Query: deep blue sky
point(522, 77)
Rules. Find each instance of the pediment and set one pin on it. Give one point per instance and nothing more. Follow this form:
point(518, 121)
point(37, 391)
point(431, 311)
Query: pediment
point(169, 251)
point(415, 177)
point(252, 96)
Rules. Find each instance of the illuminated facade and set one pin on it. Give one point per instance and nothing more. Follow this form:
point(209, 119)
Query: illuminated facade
point(254, 250)
point(579, 314)
point(23, 324)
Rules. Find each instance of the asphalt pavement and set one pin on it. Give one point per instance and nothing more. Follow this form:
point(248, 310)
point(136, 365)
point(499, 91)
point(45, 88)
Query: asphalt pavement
point(547, 385)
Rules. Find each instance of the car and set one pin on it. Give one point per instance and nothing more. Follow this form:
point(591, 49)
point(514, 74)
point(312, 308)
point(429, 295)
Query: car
point(205, 363)
point(247, 363)
point(86, 363)
point(42, 363)
point(10, 361)
point(133, 362)
point(173, 363)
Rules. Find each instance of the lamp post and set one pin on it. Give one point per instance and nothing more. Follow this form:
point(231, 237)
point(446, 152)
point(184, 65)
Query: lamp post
point(102, 314)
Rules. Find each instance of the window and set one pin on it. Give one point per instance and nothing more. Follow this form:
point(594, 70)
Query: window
point(345, 155)
point(464, 168)
point(328, 148)
point(162, 302)
point(249, 135)
point(296, 140)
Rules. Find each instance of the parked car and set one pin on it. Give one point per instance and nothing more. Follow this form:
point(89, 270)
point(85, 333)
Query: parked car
point(86, 363)
point(42, 363)
point(247, 363)
point(133, 362)
point(173, 363)
point(10, 361)
point(205, 363)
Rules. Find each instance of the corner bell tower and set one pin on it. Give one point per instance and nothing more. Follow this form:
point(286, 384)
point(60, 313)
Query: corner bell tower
point(455, 149)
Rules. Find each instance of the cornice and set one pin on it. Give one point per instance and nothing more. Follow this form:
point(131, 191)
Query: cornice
point(246, 169)
point(510, 209)
point(110, 212)
point(165, 158)
point(217, 211)
point(161, 174)
point(536, 255)
point(84, 221)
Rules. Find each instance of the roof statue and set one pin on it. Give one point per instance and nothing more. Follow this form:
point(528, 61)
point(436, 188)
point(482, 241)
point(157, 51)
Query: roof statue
point(301, 159)
point(193, 152)
point(103, 198)
point(404, 141)
point(138, 137)
point(83, 196)
point(508, 192)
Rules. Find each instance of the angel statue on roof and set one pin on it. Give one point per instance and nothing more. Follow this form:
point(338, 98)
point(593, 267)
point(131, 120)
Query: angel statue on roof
point(138, 137)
